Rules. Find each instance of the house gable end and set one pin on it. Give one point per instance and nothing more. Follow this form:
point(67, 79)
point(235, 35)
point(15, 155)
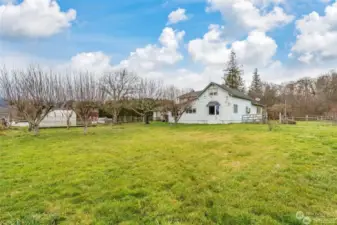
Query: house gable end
point(232, 92)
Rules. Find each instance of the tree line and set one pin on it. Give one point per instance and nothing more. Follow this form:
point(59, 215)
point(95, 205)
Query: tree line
point(34, 93)
point(305, 96)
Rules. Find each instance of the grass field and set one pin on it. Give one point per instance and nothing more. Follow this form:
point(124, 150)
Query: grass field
point(161, 174)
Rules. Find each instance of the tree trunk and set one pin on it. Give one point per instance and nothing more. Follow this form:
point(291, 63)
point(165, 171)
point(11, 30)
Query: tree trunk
point(36, 130)
point(115, 119)
point(30, 127)
point(68, 123)
point(85, 129)
point(176, 120)
point(146, 119)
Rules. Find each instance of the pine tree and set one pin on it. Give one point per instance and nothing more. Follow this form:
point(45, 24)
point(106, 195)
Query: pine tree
point(255, 89)
point(233, 74)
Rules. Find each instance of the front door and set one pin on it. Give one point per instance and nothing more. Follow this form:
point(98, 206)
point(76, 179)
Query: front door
point(214, 114)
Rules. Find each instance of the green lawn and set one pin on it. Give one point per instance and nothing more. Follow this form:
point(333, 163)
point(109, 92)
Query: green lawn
point(162, 174)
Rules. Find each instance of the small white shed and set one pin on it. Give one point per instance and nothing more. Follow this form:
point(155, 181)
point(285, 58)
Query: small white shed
point(58, 118)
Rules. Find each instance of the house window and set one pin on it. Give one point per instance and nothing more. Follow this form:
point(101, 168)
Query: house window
point(214, 110)
point(247, 110)
point(211, 110)
point(236, 108)
point(213, 91)
point(191, 111)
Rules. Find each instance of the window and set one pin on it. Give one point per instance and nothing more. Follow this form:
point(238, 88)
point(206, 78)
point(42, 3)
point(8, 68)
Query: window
point(236, 108)
point(214, 110)
point(258, 110)
point(213, 91)
point(211, 110)
point(247, 110)
point(191, 111)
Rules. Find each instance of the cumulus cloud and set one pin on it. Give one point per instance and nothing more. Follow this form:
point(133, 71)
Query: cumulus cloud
point(34, 18)
point(91, 61)
point(317, 38)
point(252, 14)
point(213, 49)
point(177, 16)
point(152, 61)
point(257, 50)
point(153, 56)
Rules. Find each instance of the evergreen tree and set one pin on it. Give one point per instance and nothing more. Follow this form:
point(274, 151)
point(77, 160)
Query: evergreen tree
point(255, 89)
point(233, 74)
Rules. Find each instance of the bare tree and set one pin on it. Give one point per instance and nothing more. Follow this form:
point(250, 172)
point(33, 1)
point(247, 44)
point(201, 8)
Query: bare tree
point(146, 97)
point(87, 98)
point(175, 104)
point(31, 92)
point(66, 93)
point(117, 87)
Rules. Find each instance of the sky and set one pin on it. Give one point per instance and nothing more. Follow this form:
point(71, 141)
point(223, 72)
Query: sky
point(182, 42)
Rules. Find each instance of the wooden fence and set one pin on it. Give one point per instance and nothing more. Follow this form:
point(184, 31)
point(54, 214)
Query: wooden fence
point(253, 118)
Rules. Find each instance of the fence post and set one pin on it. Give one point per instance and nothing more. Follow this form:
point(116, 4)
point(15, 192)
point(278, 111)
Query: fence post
point(280, 117)
point(306, 117)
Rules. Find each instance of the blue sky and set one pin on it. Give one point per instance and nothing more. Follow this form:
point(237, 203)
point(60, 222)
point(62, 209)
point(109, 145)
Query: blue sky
point(117, 28)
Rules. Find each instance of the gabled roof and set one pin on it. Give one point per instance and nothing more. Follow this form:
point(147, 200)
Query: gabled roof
point(233, 92)
point(192, 94)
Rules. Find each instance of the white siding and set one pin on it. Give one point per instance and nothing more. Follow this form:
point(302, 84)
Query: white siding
point(57, 118)
point(226, 115)
point(242, 104)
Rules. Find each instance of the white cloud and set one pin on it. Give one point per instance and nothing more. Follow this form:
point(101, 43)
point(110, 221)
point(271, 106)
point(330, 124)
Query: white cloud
point(34, 18)
point(91, 61)
point(152, 57)
point(213, 50)
point(152, 61)
point(257, 50)
point(252, 14)
point(177, 16)
point(317, 38)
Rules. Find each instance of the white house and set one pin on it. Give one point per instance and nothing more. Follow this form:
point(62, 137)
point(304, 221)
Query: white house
point(219, 104)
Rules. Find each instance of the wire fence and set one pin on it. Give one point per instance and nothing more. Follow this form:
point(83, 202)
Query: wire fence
point(319, 121)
